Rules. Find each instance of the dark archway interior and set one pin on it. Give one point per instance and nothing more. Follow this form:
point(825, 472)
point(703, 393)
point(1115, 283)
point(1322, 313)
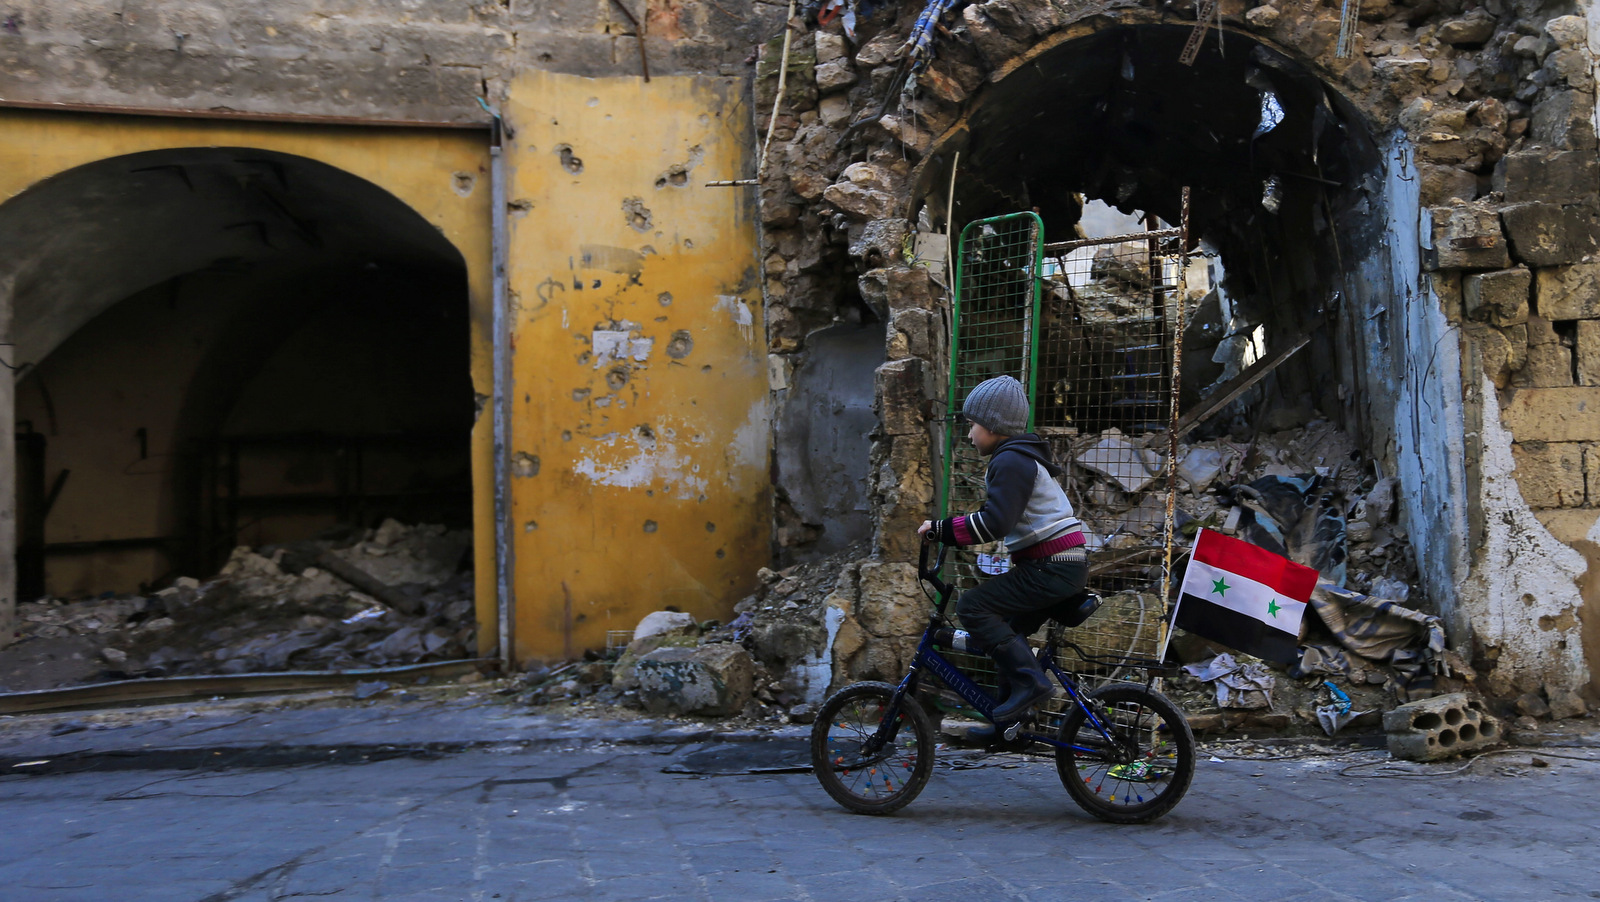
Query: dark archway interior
point(227, 345)
point(1282, 170)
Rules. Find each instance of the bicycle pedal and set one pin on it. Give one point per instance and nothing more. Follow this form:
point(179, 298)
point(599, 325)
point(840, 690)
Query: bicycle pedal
point(1011, 732)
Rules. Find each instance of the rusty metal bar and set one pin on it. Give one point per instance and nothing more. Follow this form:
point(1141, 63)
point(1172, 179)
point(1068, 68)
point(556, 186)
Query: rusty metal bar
point(638, 32)
point(1191, 48)
point(177, 688)
point(1062, 247)
point(1241, 383)
point(1179, 324)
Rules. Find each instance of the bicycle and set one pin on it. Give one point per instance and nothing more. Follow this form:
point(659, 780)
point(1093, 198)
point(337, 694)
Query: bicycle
point(1124, 752)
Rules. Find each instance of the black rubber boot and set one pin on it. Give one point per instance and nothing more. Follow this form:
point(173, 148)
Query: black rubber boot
point(1026, 678)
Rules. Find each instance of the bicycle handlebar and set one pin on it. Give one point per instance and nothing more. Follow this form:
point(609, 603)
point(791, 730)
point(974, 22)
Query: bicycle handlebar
point(932, 575)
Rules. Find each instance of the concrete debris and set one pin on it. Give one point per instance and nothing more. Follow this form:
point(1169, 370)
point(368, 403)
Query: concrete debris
point(782, 637)
point(268, 609)
point(714, 679)
point(1438, 728)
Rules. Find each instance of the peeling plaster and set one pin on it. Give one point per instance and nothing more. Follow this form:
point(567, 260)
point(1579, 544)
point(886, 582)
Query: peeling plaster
point(1513, 596)
point(738, 310)
point(653, 463)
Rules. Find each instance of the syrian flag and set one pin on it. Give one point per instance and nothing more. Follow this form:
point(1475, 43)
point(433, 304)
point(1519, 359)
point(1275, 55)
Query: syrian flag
point(1244, 597)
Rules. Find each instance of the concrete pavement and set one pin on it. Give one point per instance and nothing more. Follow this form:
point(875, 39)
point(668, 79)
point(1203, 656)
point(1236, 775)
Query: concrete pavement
point(439, 800)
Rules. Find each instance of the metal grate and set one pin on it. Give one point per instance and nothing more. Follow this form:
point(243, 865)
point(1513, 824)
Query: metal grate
point(1090, 328)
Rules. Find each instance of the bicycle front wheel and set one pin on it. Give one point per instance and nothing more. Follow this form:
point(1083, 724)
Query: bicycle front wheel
point(1139, 768)
point(867, 761)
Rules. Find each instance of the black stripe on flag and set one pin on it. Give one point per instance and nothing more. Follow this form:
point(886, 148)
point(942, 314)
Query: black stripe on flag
point(1235, 630)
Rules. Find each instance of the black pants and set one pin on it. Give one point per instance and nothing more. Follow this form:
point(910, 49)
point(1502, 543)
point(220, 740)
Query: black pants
point(1017, 601)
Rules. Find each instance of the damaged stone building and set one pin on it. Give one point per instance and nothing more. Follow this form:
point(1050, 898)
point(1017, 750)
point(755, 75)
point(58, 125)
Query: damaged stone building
point(652, 294)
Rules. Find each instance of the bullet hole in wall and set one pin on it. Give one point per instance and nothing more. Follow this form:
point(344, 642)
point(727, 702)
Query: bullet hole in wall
point(681, 345)
point(638, 215)
point(569, 161)
point(649, 526)
point(524, 464)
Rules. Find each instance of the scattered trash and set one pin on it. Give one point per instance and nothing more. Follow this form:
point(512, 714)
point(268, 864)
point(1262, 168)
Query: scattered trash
point(370, 688)
point(1238, 685)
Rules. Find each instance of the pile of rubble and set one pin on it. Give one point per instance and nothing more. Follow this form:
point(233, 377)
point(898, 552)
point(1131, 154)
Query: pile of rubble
point(772, 662)
point(387, 596)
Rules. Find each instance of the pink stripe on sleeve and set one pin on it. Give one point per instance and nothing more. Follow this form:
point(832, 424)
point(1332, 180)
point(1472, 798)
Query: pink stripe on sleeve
point(962, 532)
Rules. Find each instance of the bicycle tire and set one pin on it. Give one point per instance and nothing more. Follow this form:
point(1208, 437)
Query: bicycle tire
point(1148, 769)
point(881, 783)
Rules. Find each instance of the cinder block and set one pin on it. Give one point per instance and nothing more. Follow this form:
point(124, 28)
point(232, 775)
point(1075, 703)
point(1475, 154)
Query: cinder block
point(1438, 728)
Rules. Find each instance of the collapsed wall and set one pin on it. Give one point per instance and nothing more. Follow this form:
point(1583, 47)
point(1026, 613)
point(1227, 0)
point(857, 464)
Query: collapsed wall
point(1479, 118)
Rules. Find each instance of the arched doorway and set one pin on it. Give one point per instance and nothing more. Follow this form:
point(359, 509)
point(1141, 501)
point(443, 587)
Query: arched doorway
point(1309, 216)
point(223, 346)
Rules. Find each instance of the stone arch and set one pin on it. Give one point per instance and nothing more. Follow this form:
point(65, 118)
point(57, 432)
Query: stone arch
point(1463, 107)
point(218, 260)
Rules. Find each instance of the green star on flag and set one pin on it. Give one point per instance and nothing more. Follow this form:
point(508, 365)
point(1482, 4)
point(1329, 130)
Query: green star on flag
point(1220, 587)
point(1273, 607)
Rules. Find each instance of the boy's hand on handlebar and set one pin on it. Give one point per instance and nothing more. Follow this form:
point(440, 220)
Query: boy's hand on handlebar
point(923, 529)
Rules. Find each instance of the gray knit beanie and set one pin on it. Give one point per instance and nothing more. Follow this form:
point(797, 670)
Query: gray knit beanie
point(999, 405)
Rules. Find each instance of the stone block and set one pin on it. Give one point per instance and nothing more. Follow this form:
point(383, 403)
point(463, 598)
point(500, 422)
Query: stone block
point(1467, 236)
point(835, 76)
point(1472, 30)
point(831, 47)
point(1532, 704)
point(1440, 727)
point(1544, 234)
point(665, 623)
point(1503, 351)
point(1564, 704)
point(1548, 366)
point(1443, 184)
point(1568, 292)
point(991, 42)
point(1447, 288)
point(902, 399)
point(1588, 352)
point(1591, 471)
point(880, 241)
point(1564, 120)
point(713, 680)
point(1550, 474)
point(1560, 177)
point(858, 201)
point(1499, 298)
point(1573, 524)
point(1553, 414)
point(890, 604)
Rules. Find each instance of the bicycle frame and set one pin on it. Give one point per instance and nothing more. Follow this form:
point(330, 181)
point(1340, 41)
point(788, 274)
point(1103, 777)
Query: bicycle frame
point(929, 657)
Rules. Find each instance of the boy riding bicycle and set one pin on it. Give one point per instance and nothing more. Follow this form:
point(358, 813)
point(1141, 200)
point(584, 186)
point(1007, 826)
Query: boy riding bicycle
point(1026, 508)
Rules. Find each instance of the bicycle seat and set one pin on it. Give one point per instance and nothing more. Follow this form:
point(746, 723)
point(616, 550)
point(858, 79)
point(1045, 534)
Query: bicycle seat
point(1075, 610)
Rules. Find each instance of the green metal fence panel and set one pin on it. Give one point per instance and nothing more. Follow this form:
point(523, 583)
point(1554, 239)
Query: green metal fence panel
point(1089, 327)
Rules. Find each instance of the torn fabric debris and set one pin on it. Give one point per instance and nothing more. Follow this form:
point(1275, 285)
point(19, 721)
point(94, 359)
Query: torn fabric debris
point(1238, 685)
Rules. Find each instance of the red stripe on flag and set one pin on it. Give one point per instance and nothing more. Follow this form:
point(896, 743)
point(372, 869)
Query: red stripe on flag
point(1254, 562)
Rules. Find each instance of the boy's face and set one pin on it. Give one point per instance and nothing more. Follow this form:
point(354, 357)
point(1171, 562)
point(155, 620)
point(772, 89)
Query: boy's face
point(984, 440)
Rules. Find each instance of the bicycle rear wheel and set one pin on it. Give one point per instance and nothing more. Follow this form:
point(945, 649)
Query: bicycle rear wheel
point(857, 760)
point(1145, 768)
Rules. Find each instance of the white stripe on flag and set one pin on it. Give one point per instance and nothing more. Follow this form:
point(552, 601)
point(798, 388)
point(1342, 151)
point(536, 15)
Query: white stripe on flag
point(1246, 596)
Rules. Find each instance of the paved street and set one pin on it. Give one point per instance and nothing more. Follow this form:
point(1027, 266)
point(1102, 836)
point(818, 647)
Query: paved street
point(579, 819)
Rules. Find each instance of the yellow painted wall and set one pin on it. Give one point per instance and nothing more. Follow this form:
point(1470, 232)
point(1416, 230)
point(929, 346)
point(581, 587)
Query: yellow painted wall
point(640, 418)
point(415, 165)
